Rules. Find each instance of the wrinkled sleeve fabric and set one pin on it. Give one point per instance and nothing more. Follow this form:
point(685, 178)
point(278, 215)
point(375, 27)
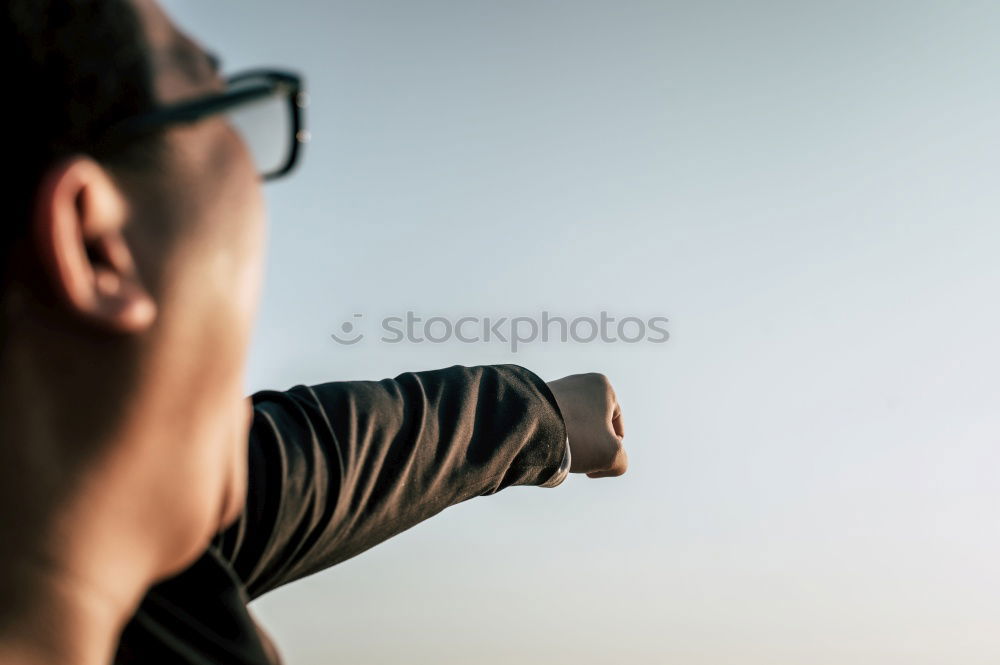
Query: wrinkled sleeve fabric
point(336, 468)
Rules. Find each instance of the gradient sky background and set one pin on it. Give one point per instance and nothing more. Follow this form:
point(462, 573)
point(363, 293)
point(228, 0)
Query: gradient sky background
point(808, 190)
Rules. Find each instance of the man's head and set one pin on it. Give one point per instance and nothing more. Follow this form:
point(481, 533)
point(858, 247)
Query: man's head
point(130, 282)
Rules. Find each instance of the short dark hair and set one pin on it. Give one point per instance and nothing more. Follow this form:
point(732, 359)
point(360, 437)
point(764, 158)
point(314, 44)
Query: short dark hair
point(76, 67)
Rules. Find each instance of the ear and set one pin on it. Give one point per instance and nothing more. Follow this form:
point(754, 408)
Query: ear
point(79, 222)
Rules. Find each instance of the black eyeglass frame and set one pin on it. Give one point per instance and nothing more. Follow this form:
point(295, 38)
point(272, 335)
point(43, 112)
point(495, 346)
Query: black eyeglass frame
point(272, 82)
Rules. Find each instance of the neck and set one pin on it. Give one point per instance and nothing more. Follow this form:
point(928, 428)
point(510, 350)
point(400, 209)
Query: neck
point(75, 559)
point(65, 620)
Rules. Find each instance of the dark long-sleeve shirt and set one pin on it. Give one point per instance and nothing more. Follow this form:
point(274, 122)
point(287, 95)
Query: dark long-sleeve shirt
point(335, 469)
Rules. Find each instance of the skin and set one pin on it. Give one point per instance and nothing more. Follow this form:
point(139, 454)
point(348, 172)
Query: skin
point(126, 328)
point(594, 424)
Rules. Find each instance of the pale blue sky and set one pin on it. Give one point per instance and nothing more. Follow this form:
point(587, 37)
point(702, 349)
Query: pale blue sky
point(806, 189)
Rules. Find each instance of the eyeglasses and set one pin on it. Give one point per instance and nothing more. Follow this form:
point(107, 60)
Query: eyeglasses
point(264, 105)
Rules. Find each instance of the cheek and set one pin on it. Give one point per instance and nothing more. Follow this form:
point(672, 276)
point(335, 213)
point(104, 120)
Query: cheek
point(247, 211)
point(222, 275)
point(237, 216)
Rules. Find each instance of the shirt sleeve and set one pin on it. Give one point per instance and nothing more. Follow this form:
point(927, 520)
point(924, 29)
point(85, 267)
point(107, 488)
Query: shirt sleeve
point(560, 475)
point(336, 468)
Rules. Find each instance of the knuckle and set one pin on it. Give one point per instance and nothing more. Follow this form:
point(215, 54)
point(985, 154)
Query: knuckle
point(600, 379)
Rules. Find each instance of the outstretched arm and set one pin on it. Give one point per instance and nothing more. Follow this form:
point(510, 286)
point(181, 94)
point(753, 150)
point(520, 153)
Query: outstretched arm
point(336, 468)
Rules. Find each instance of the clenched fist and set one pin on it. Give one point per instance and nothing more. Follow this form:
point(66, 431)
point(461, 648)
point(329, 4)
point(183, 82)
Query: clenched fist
point(594, 424)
